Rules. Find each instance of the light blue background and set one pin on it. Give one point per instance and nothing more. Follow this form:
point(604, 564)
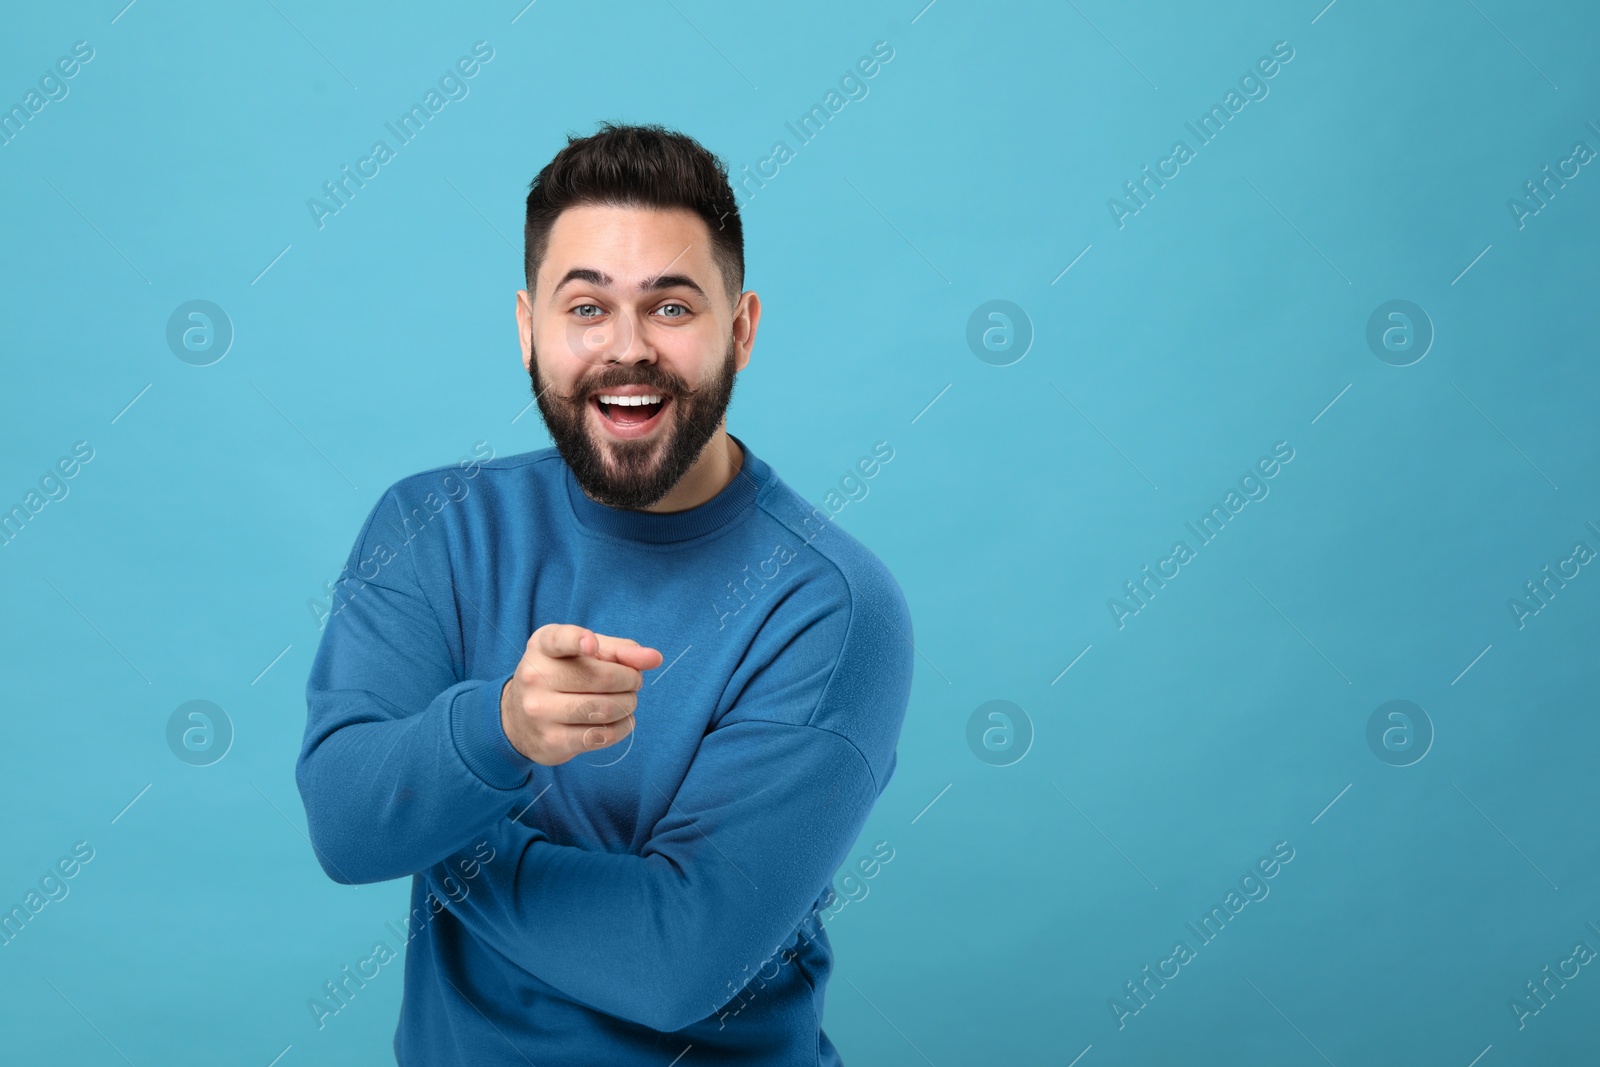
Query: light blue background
point(1229, 314)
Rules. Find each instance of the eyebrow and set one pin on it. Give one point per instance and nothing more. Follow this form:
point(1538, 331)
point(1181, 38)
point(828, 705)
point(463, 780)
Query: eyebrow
point(601, 278)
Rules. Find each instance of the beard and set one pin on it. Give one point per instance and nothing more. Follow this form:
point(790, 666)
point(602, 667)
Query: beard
point(636, 473)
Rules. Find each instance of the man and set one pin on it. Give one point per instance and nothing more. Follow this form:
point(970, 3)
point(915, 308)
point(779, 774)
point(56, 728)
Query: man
point(603, 862)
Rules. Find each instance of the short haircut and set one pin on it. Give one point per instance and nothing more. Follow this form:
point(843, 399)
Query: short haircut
point(637, 166)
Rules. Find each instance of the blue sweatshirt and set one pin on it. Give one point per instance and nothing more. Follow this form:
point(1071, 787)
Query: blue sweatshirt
point(657, 894)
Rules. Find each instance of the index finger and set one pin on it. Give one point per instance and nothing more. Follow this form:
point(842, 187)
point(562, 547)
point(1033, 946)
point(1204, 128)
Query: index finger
point(627, 652)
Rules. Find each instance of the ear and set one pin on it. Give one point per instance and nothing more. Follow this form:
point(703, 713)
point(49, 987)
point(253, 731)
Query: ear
point(525, 328)
point(746, 317)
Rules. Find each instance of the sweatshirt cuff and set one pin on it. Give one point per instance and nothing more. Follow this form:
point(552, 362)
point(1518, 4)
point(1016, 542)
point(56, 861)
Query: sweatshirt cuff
point(481, 740)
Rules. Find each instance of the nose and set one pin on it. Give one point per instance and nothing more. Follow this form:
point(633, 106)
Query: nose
point(619, 340)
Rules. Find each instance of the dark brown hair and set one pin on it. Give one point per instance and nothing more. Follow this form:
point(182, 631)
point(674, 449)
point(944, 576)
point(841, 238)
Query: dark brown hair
point(637, 166)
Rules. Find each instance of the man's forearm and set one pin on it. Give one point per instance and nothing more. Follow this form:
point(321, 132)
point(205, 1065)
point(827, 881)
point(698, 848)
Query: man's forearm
point(387, 797)
point(722, 883)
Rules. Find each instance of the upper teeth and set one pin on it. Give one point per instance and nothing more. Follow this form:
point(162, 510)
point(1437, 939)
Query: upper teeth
point(630, 401)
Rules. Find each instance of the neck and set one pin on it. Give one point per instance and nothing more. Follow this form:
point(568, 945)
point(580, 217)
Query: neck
point(718, 465)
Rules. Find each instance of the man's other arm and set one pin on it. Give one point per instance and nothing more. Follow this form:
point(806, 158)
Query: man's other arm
point(397, 768)
point(766, 813)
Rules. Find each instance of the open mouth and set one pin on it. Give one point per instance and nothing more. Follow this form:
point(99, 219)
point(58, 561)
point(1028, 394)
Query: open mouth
point(631, 416)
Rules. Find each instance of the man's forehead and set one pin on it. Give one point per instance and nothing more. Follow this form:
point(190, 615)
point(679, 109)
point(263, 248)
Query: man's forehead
point(631, 246)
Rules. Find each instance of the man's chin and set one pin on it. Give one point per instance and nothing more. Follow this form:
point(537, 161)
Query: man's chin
point(624, 493)
point(626, 472)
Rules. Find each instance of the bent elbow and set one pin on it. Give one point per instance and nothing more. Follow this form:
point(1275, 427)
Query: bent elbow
point(684, 967)
point(336, 861)
point(333, 871)
point(688, 994)
point(338, 867)
point(671, 1011)
point(680, 991)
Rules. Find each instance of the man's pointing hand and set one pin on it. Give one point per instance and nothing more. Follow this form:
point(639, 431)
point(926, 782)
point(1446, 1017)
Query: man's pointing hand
point(574, 691)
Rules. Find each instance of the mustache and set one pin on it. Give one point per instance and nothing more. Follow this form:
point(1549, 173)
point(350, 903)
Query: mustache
point(668, 386)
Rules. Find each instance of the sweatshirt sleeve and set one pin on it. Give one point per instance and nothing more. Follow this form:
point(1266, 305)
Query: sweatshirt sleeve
point(765, 815)
point(403, 761)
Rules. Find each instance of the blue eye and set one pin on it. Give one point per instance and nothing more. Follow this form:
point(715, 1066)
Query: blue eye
point(580, 307)
point(683, 307)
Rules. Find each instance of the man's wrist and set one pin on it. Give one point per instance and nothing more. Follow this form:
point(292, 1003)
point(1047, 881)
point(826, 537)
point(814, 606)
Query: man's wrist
point(478, 727)
point(507, 714)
